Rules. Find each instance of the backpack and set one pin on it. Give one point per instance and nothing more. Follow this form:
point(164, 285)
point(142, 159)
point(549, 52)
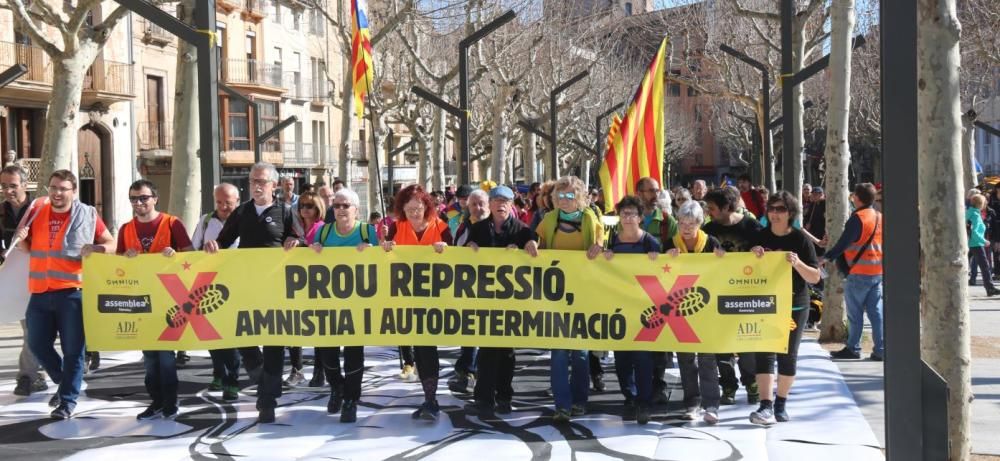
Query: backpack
point(324, 232)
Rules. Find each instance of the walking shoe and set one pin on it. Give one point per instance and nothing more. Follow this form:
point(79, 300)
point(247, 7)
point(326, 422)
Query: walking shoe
point(728, 397)
point(23, 387)
point(711, 416)
point(578, 410)
point(753, 394)
point(504, 407)
point(182, 359)
point(764, 416)
point(427, 411)
point(318, 380)
point(483, 411)
point(63, 411)
point(660, 396)
point(170, 413)
point(408, 374)
point(336, 401)
point(253, 374)
point(152, 411)
point(876, 357)
point(265, 415)
point(561, 416)
point(845, 354)
point(294, 379)
point(642, 415)
point(690, 414)
point(459, 383)
point(215, 385)
point(349, 412)
point(54, 401)
point(230, 393)
point(629, 411)
point(992, 291)
point(95, 361)
point(39, 384)
point(781, 414)
point(597, 381)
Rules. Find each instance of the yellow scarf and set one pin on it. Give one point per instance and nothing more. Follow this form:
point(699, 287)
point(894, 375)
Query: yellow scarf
point(699, 246)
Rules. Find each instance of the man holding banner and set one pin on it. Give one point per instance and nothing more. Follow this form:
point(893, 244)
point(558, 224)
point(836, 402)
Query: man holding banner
point(154, 232)
point(61, 233)
point(260, 223)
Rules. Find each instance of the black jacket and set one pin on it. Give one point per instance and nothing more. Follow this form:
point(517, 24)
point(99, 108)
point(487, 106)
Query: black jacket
point(513, 231)
point(268, 230)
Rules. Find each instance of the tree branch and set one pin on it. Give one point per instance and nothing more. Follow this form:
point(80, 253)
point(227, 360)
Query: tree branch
point(393, 22)
point(22, 17)
point(78, 16)
point(753, 14)
point(103, 31)
point(767, 40)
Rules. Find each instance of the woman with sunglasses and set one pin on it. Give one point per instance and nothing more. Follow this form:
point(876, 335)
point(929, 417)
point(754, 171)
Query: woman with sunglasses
point(310, 210)
point(782, 209)
point(418, 224)
point(571, 225)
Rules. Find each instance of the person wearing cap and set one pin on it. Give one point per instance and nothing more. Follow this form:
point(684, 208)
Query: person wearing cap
point(494, 388)
point(478, 209)
point(459, 210)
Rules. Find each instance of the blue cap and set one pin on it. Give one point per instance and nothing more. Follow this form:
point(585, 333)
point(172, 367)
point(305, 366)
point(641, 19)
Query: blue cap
point(503, 192)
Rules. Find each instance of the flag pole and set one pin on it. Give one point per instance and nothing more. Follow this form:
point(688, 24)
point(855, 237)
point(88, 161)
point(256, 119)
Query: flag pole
point(371, 121)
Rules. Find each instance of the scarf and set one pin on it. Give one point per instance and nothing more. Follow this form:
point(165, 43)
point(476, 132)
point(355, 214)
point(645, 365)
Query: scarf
point(699, 245)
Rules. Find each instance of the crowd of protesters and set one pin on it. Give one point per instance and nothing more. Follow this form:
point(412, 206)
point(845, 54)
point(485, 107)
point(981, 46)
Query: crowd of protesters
point(560, 214)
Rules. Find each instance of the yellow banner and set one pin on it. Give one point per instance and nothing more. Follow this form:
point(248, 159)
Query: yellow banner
point(413, 296)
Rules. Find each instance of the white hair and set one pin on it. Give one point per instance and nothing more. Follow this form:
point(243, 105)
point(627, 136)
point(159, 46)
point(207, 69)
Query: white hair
point(272, 172)
point(481, 194)
point(347, 194)
point(691, 210)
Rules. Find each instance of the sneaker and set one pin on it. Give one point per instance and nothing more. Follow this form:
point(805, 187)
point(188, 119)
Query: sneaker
point(753, 394)
point(660, 397)
point(781, 414)
point(561, 417)
point(63, 411)
point(845, 354)
point(504, 407)
point(578, 410)
point(294, 379)
point(349, 412)
point(149, 413)
point(629, 411)
point(215, 385)
point(182, 359)
point(427, 411)
point(597, 381)
point(459, 383)
point(171, 413)
point(484, 412)
point(336, 402)
point(54, 401)
point(408, 374)
point(95, 361)
point(39, 384)
point(642, 415)
point(711, 416)
point(763, 416)
point(254, 375)
point(23, 387)
point(690, 413)
point(265, 415)
point(230, 393)
point(992, 291)
point(728, 397)
point(318, 380)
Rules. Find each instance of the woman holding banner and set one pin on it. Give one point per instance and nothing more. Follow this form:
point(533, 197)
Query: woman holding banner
point(418, 224)
point(700, 382)
point(634, 368)
point(782, 210)
point(571, 225)
point(310, 211)
point(344, 231)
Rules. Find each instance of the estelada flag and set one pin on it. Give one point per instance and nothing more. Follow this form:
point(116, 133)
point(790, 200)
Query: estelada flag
point(361, 55)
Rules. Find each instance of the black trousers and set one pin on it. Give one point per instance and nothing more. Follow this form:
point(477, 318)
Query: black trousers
point(273, 361)
point(354, 367)
point(496, 376)
point(428, 369)
point(727, 370)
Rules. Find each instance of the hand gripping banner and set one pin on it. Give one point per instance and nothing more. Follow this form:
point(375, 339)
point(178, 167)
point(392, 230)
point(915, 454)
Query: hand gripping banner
point(492, 298)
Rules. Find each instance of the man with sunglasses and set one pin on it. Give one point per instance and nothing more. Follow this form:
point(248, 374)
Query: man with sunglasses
point(153, 232)
point(63, 232)
point(261, 222)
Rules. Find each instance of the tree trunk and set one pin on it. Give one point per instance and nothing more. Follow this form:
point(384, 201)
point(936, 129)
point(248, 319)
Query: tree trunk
point(528, 153)
point(969, 151)
point(499, 141)
point(945, 311)
point(838, 156)
point(346, 122)
point(798, 122)
point(423, 162)
point(185, 168)
point(437, 149)
point(59, 145)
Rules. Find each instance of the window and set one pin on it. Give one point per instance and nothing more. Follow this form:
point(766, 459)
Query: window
point(297, 88)
point(277, 58)
point(692, 92)
point(628, 8)
point(675, 89)
point(277, 11)
point(317, 22)
point(297, 20)
point(239, 126)
point(269, 119)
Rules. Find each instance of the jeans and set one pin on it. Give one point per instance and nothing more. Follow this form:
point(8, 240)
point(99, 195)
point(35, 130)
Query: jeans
point(567, 389)
point(496, 375)
point(59, 312)
point(26, 363)
point(226, 365)
point(863, 294)
point(981, 260)
point(635, 375)
point(467, 361)
point(700, 381)
point(161, 378)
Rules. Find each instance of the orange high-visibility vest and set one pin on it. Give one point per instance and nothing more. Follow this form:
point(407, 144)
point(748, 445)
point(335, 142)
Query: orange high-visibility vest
point(160, 241)
point(870, 262)
point(405, 235)
point(50, 269)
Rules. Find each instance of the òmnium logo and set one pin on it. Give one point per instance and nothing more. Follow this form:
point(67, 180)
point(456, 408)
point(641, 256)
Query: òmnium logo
point(120, 304)
point(121, 281)
point(730, 305)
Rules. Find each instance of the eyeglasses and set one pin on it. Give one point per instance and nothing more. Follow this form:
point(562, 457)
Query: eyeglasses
point(413, 210)
point(140, 198)
point(260, 182)
point(567, 195)
point(307, 206)
point(343, 206)
point(778, 209)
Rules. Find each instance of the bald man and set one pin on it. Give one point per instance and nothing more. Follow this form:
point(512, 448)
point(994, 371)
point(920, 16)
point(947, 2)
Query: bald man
point(225, 362)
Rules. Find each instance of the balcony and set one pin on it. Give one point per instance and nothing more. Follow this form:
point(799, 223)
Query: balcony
point(107, 82)
point(300, 155)
point(32, 166)
point(253, 10)
point(253, 75)
point(154, 136)
point(155, 35)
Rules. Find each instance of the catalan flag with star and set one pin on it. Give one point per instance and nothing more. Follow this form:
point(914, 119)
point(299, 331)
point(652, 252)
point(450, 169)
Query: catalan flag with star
point(361, 55)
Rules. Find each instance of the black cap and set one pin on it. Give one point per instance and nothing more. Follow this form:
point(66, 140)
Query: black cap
point(463, 191)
